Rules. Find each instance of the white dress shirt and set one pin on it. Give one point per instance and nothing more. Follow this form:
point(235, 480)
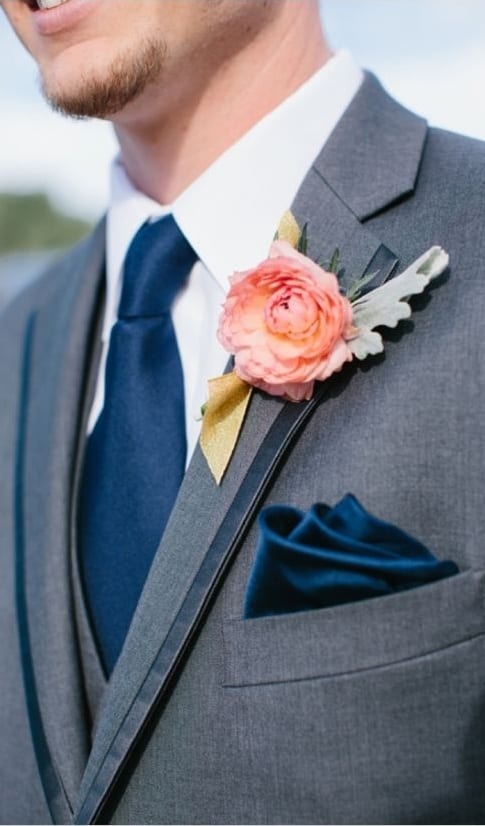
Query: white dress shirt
point(229, 215)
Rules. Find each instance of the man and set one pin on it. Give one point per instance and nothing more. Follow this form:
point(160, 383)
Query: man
point(135, 686)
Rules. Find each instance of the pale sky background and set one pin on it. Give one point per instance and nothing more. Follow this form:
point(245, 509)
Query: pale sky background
point(429, 53)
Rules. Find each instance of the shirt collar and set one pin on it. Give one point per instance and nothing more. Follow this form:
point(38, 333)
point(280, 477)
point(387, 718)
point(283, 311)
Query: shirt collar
point(231, 212)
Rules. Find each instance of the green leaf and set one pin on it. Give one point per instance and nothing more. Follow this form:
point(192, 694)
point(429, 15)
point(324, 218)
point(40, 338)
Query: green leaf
point(357, 286)
point(334, 261)
point(303, 240)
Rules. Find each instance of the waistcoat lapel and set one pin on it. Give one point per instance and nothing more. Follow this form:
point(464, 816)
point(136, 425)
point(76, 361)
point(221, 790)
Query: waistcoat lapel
point(53, 380)
point(209, 522)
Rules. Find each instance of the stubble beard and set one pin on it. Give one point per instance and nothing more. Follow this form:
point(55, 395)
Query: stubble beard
point(103, 96)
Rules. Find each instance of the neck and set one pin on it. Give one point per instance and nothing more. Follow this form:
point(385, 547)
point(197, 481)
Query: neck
point(164, 146)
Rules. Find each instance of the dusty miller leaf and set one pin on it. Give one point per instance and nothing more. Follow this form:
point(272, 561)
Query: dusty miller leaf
point(387, 305)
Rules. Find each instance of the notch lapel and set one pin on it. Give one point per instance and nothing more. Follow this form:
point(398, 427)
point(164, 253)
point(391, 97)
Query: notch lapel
point(208, 523)
point(370, 161)
point(51, 398)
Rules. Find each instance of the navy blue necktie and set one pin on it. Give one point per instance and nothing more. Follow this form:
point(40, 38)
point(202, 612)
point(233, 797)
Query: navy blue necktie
point(135, 457)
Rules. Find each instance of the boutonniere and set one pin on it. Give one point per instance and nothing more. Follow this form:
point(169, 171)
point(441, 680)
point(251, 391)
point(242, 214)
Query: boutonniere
point(288, 324)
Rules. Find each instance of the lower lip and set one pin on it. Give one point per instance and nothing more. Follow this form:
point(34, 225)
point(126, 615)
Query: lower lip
point(62, 18)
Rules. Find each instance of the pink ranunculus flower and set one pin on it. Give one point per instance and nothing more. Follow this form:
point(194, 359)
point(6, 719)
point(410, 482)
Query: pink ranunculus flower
point(286, 323)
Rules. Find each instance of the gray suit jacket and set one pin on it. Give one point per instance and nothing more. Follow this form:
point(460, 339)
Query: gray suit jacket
point(370, 712)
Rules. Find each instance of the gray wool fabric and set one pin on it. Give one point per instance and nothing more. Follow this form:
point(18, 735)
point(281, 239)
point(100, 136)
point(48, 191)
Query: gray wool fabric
point(369, 712)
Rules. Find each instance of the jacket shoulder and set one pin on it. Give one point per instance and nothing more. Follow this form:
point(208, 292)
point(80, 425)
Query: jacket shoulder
point(454, 162)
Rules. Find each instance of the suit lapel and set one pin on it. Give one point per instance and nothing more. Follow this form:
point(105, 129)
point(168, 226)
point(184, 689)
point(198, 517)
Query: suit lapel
point(53, 378)
point(370, 162)
point(208, 523)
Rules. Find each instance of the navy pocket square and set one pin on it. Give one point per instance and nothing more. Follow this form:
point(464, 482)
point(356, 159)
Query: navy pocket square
point(329, 556)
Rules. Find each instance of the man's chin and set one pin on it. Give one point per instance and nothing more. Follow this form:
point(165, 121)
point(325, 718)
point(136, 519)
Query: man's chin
point(87, 98)
point(106, 90)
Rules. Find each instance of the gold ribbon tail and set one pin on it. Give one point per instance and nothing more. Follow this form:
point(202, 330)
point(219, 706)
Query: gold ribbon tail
point(223, 418)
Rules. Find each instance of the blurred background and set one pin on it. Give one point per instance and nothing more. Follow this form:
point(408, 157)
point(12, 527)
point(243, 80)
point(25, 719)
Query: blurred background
point(54, 172)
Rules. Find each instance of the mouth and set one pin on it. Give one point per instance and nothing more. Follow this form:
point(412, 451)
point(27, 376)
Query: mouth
point(41, 5)
point(52, 17)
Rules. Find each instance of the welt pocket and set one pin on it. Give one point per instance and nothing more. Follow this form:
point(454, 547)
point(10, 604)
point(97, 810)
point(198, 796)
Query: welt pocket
point(356, 636)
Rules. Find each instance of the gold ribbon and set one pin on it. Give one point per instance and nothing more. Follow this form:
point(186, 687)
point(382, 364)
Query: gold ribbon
point(288, 229)
point(223, 418)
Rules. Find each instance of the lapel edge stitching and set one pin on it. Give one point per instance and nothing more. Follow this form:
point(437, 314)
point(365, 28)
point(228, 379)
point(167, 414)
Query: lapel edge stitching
point(54, 791)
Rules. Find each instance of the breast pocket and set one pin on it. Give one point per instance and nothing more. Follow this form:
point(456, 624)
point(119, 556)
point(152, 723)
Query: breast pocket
point(357, 636)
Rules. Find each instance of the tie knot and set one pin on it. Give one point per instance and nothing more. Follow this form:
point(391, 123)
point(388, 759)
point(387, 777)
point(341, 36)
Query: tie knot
point(157, 263)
